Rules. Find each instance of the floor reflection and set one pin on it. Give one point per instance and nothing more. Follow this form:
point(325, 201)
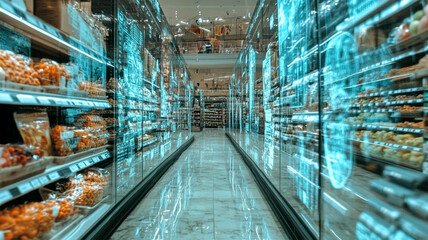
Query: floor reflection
point(207, 194)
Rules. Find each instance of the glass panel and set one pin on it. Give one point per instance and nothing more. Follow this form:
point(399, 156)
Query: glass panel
point(373, 64)
point(299, 101)
point(93, 89)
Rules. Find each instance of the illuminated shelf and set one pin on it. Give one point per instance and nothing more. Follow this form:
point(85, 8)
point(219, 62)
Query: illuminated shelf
point(150, 82)
point(386, 128)
point(45, 34)
point(381, 5)
point(150, 141)
point(388, 103)
point(363, 159)
point(390, 145)
point(51, 174)
point(394, 112)
point(387, 93)
point(16, 97)
point(149, 100)
point(150, 128)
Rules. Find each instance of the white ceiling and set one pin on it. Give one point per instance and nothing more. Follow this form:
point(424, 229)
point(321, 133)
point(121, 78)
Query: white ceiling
point(188, 10)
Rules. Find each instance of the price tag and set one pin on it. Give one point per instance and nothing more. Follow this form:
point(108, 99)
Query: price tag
point(400, 129)
point(82, 165)
point(390, 92)
point(404, 147)
point(44, 100)
point(43, 180)
point(87, 163)
point(54, 176)
point(26, 99)
point(5, 196)
point(35, 183)
point(74, 168)
point(85, 103)
point(5, 97)
point(95, 159)
point(62, 102)
point(24, 187)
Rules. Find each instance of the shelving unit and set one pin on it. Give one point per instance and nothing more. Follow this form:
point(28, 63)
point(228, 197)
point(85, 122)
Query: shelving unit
point(344, 99)
point(215, 113)
point(197, 119)
point(88, 96)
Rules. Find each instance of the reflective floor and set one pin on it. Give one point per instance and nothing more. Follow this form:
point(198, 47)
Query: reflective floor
point(208, 193)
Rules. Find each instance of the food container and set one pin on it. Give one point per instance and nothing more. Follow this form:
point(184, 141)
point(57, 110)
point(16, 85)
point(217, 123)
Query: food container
point(28, 221)
point(66, 159)
point(13, 174)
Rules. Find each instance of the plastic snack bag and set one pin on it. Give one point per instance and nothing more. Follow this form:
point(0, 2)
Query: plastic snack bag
point(64, 140)
point(34, 129)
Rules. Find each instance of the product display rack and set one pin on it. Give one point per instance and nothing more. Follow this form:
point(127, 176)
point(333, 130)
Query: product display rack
point(344, 102)
point(196, 119)
point(215, 112)
point(66, 99)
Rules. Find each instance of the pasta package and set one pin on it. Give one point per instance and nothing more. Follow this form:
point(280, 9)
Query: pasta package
point(34, 129)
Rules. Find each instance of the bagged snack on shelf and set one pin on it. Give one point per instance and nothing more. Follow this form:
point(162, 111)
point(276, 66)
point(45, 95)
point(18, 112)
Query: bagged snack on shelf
point(114, 85)
point(94, 89)
point(97, 176)
point(17, 69)
point(99, 137)
point(64, 140)
point(28, 221)
point(66, 208)
point(86, 188)
point(92, 121)
point(34, 129)
point(66, 204)
point(51, 73)
point(84, 140)
point(13, 155)
point(86, 194)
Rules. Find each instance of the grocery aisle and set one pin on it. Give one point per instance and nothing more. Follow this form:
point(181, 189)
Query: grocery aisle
point(207, 194)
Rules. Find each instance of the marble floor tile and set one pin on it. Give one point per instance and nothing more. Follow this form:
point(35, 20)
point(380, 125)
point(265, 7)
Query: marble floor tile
point(209, 193)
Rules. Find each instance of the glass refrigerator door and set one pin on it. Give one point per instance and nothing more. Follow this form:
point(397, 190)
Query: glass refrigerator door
point(299, 101)
point(373, 74)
